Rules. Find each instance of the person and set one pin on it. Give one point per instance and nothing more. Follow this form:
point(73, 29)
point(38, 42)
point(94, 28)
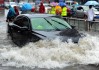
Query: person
point(69, 12)
point(52, 11)
point(90, 16)
point(64, 11)
point(11, 14)
point(41, 8)
point(58, 9)
point(33, 9)
point(73, 10)
point(16, 10)
point(80, 8)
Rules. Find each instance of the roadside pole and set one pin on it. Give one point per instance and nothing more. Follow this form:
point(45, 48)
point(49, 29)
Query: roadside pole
point(86, 25)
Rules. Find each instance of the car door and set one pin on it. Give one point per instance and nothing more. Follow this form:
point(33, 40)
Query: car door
point(20, 30)
point(80, 12)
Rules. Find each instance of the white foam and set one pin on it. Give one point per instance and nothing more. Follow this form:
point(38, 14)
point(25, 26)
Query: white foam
point(49, 54)
point(52, 54)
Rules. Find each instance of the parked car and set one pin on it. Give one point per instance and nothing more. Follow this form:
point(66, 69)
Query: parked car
point(97, 7)
point(20, 4)
point(2, 6)
point(26, 28)
point(81, 11)
point(12, 4)
point(6, 4)
point(70, 3)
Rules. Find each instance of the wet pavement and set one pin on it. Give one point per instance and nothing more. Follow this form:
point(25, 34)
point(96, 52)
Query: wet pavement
point(76, 67)
point(2, 18)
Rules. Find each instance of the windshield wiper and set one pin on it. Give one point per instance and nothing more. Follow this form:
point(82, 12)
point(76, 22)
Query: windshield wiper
point(52, 24)
point(59, 23)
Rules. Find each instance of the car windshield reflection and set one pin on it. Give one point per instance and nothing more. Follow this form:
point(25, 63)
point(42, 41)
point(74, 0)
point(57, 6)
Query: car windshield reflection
point(52, 23)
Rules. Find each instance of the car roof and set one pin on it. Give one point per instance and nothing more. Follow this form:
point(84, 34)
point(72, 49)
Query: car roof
point(69, 1)
point(34, 15)
point(84, 6)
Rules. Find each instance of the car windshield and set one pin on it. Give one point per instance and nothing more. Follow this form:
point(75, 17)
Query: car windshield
point(50, 23)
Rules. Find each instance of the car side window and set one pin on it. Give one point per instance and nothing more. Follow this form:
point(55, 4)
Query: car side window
point(22, 21)
point(80, 8)
point(25, 22)
point(18, 21)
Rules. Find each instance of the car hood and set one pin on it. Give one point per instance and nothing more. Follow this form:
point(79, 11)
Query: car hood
point(64, 35)
point(96, 12)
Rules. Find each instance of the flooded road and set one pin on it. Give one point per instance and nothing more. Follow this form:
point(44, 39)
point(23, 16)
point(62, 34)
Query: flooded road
point(49, 55)
point(76, 67)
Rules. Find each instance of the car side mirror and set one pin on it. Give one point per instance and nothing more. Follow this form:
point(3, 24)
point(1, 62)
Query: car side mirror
point(73, 27)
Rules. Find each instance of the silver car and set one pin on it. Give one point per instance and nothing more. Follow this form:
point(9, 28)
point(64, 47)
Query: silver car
point(12, 4)
point(81, 11)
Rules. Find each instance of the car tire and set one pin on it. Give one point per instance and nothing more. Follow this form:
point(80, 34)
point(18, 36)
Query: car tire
point(9, 31)
point(8, 28)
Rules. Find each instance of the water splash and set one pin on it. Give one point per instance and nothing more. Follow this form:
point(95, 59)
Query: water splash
point(48, 53)
point(52, 54)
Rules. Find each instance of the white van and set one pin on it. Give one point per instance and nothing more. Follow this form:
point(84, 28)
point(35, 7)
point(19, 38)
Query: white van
point(69, 3)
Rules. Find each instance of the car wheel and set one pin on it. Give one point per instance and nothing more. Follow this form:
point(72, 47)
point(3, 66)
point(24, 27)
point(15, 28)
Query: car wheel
point(8, 28)
point(9, 32)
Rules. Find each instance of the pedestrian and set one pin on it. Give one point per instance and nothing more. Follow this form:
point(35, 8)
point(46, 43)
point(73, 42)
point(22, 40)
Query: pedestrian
point(41, 8)
point(11, 14)
point(64, 11)
point(16, 10)
point(69, 13)
point(52, 11)
point(58, 9)
point(90, 17)
point(33, 10)
point(73, 10)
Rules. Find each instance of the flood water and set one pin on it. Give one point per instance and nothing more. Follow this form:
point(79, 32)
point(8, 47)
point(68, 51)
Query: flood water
point(49, 55)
